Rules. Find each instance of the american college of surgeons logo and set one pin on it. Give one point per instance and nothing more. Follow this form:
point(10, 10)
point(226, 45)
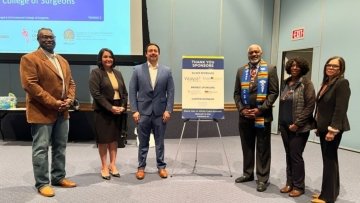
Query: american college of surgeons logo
point(69, 35)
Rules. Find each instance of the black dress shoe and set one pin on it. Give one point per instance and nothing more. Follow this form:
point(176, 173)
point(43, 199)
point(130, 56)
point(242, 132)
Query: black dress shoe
point(261, 186)
point(243, 179)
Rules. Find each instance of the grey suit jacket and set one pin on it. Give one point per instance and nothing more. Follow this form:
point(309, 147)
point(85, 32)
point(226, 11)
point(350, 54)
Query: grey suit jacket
point(146, 100)
point(331, 107)
point(273, 92)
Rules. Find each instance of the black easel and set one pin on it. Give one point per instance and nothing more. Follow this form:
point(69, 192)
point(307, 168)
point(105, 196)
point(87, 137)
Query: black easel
point(197, 138)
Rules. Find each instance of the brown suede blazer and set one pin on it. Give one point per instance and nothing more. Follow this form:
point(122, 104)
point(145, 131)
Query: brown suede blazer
point(43, 86)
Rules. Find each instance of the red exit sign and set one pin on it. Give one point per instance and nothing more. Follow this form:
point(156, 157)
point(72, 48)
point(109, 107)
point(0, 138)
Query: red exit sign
point(297, 34)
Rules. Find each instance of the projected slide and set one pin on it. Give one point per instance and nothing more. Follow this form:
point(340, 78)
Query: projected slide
point(80, 26)
point(53, 10)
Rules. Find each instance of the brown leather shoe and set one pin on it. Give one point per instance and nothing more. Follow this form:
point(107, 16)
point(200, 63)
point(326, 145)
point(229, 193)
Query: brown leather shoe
point(286, 189)
point(315, 195)
point(140, 174)
point(163, 173)
point(47, 191)
point(66, 183)
point(296, 193)
point(317, 201)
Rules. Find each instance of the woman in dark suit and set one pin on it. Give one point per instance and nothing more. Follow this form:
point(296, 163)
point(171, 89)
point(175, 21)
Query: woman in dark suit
point(297, 103)
point(109, 92)
point(332, 104)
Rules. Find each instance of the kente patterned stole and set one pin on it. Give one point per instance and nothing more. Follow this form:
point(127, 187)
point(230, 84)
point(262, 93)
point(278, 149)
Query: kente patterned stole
point(262, 87)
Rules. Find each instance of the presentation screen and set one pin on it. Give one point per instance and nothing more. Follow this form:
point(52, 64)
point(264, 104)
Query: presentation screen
point(81, 27)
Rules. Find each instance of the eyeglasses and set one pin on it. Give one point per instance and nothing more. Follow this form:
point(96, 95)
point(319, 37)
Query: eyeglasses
point(51, 37)
point(332, 66)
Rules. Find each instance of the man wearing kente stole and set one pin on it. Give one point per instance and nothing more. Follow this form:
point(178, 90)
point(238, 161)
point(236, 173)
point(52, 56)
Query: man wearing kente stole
point(256, 89)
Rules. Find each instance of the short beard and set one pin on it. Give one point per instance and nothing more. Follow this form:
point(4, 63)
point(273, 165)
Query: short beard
point(252, 61)
point(49, 49)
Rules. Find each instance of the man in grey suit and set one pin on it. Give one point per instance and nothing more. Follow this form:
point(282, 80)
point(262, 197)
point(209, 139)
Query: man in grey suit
point(256, 89)
point(151, 94)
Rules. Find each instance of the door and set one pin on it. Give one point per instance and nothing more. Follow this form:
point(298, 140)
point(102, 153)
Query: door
point(307, 54)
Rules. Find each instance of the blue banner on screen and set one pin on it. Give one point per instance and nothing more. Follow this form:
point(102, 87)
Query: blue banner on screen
point(54, 10)
point(80, 26)
point(203, 63)
point(203, 87)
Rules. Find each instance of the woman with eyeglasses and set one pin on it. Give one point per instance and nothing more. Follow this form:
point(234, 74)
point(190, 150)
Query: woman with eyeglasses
point(297, 103)
point(330, 114)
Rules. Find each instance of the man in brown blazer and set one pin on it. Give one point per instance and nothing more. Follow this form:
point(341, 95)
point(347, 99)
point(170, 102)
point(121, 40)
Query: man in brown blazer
point(50, 89)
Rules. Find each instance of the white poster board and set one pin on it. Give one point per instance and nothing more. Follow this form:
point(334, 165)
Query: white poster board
point(203, 87)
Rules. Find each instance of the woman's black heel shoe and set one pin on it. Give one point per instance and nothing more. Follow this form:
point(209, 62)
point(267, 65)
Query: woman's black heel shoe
point(114, 174)
point(105, 176)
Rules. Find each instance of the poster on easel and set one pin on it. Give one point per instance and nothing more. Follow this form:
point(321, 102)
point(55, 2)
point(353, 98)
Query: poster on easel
point(203, 87)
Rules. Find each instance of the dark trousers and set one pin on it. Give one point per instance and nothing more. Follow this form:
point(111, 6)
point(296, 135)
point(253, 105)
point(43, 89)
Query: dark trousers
point(294, 144)
point(144, 128)
point(251, 136)
point(330, 187)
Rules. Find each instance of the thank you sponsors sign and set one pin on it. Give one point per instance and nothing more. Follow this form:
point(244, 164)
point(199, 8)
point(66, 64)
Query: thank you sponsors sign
point(203, 87)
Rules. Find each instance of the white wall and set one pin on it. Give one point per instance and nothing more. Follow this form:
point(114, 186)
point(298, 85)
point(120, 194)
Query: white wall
point(210, 27)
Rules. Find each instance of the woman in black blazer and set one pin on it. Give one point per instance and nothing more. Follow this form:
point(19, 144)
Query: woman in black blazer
point(332, 104)
point(107, 88)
